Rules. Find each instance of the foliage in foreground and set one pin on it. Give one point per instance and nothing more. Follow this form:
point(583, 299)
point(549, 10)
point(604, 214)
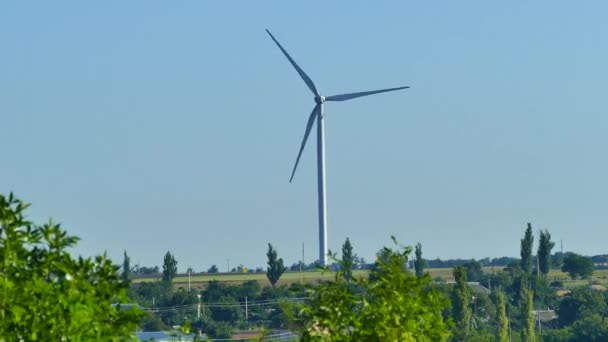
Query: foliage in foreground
point(392, 305)
point(47, 295)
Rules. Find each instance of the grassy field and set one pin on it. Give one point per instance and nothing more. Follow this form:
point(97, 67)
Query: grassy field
point(201, 280)
point(599, 276)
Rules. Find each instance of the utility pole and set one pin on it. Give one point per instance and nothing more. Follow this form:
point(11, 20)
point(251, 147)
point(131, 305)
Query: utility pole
point(302, 263)
point(246, 313)
point(228, 265)
point(540, 329)
point(189, 269)
point(198, 308)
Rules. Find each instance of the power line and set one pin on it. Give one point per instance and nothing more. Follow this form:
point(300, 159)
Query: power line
point(266, 302)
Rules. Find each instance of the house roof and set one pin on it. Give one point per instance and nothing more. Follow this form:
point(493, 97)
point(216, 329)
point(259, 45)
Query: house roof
point(474, 285)
point(162, 336)
point(544, 315)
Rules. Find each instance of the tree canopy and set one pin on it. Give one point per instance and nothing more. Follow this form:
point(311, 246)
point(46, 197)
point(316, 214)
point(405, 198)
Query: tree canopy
point(46, 294)
point(348, 260)
point(582, 302)
point(577, 266)
point(393, 305)
point(461, 297)
point(545, 245)
point(169, 267)
point(502, 321)
point(276, 268)
point(125, 273)
point(418, 261)
point(526, 250)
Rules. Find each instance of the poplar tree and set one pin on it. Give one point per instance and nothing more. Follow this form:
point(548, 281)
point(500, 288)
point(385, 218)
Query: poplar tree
point(545, 245)
point(419, 262)
point(348, 260)
point(125, 274)
point(526, 251)
point(526, 306)
point(502, 322)
point(169, 267)
point(461, 310)
point(276, 268)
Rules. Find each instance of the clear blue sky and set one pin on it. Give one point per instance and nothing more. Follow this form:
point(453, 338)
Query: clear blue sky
point(151, 127)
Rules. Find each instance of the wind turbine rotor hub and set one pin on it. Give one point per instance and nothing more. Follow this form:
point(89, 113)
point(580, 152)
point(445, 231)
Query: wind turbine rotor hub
point(319, 99)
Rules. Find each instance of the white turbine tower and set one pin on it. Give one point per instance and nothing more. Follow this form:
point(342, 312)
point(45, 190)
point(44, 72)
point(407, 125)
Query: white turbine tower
point(317, 113)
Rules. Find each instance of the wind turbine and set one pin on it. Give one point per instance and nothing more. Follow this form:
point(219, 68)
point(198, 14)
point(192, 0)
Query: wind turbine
point(318, 114)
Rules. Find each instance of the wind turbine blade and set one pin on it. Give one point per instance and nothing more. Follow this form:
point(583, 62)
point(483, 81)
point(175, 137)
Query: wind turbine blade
point(344, 97)
point(311, 121)
point(305, 77)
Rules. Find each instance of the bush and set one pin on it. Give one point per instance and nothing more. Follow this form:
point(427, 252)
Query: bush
point(220, 330)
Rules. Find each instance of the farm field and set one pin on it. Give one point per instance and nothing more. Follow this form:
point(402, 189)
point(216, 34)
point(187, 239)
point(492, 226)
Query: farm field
point(599, 276)
point(201, 280)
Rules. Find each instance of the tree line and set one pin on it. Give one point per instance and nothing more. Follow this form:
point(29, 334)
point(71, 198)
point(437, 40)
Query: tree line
point(48, 294)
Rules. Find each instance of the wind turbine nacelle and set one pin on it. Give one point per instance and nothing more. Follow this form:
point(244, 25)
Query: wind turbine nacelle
point(319, 99)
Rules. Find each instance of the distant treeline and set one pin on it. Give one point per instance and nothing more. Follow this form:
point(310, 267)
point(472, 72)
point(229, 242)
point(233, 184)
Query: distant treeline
point(449, 263)
point(600, 261)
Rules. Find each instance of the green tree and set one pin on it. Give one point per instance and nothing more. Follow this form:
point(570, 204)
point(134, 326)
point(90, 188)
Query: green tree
point(227, 310)
point(276, 268)
point(461, 310)
point(544, 295)
point(419, 262)
point(592, 328)
point(391, 306)
point(545, 245)
point(513, 268)
point(502, 322)
point(125, 273)
point(219, 330)
point(45, 294)
point(526, 250)
point(169, 268)
point(348, 260)
point(577, 265)
point(582, 302)
point(152, 322)
point(474, 270)
point(213, 269)
point(526, 306)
